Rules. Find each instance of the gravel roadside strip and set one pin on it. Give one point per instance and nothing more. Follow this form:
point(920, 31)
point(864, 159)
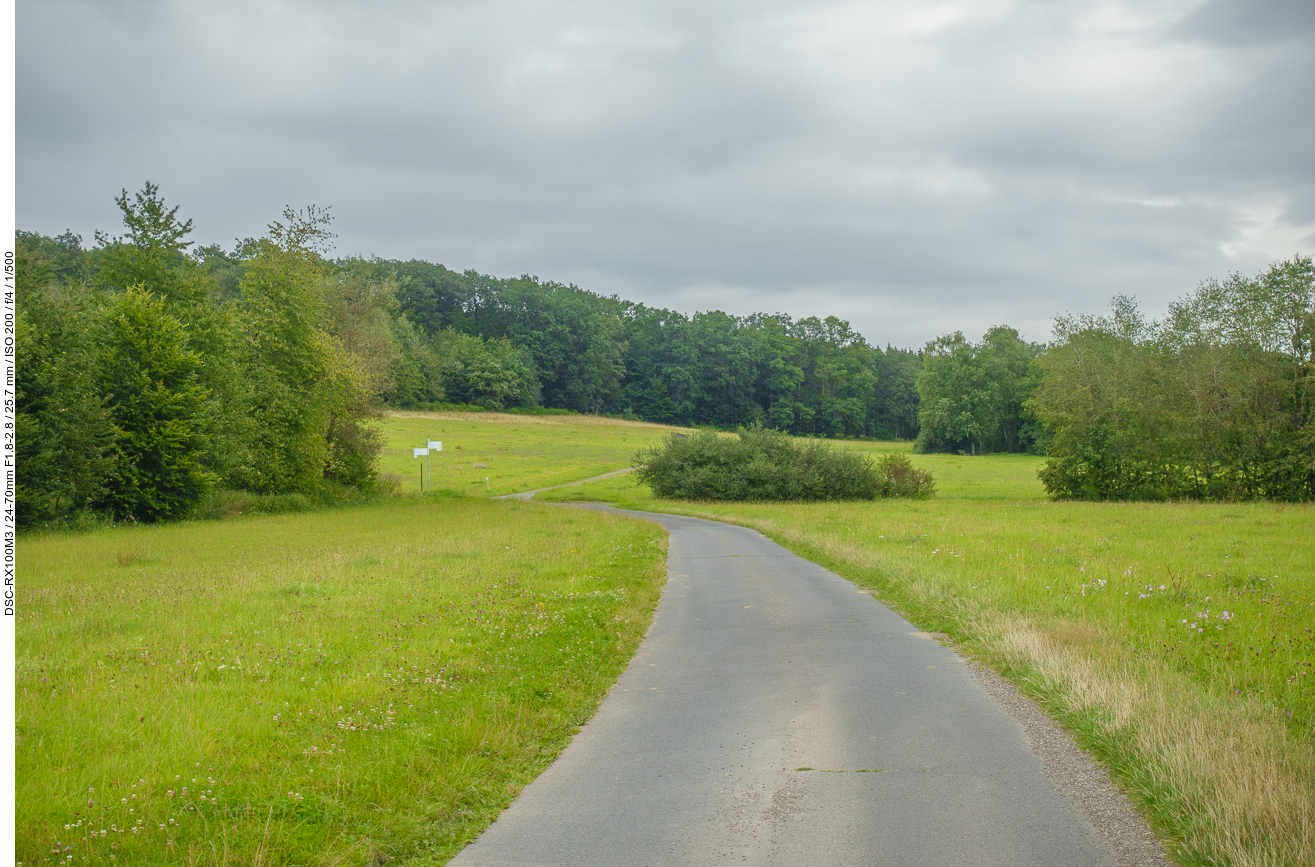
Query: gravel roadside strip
point(1075, 773)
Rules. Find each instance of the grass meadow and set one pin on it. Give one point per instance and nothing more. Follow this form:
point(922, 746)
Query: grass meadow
point(514, 452)
point(372, 684)
point(363, 685)
point(1174, 640)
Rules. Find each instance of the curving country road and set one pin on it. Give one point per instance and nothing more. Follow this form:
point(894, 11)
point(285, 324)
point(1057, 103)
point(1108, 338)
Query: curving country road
point(775, 714)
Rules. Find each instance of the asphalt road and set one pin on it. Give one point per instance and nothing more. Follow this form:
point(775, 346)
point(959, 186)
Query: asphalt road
point(775, 714)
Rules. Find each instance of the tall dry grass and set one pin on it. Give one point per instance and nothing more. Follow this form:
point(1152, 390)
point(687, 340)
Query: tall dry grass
point(1236, 787)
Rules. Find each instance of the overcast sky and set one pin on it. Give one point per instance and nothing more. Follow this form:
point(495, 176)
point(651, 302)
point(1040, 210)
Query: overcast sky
point(914, 167)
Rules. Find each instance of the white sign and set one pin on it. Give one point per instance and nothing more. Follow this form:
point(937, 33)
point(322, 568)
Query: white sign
point(436, 445)
point(419, 453)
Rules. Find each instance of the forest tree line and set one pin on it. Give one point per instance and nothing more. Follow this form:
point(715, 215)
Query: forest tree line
point(154, 371)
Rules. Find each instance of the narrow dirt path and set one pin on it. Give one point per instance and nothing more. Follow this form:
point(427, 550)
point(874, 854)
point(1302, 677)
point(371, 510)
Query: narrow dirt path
point(776, 714)
point(526, 495)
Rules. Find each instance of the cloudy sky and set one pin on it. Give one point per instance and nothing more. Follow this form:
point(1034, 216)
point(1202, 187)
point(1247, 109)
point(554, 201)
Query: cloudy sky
point(914, 167)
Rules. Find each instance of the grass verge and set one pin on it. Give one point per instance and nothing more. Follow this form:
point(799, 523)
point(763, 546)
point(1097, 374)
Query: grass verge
point(357, 686)
point(1113, 617)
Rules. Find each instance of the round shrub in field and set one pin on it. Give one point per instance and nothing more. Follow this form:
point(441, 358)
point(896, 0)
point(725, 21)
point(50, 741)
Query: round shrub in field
point(899, 478)
point(763, 464)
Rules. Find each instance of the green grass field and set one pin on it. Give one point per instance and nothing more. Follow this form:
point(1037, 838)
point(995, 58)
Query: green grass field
point(518, 453)
point(377, 681)
point(1175, 640)
point(350, 686)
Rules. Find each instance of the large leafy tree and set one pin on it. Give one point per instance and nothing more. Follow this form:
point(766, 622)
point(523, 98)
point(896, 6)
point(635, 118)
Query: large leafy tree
point(839, 376)
point(893, 407)
point(575, 339)
point(660, 365)
point(973, 397)
point(65, 437)
point(149, 377)
point(1102, 393)
point(308, 402)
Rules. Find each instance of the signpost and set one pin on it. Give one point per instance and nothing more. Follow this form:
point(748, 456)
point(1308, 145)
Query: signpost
point(426, 478)
point(417, 453)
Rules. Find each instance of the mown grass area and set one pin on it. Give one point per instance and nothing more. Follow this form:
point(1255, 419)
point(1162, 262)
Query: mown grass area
point(1113, 616)
point(518, 452)
point(364, 685)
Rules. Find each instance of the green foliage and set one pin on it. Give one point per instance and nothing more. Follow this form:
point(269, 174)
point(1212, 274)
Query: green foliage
point(491, 374)
point(308, 400)
point(810, 377)
point(759, 464)
point(973, 397)
point(432, 297)
point(62, 257)
point(152, 253)
point(150, 225)
point(1213, 403)
point(897, 477)
point(360, 309)
point(574, 339)
point(606, 356)
point(416, 375)
point(297, 352)
point(65, 436)
point(893, 414)
point(149, 378)
point(148, 375)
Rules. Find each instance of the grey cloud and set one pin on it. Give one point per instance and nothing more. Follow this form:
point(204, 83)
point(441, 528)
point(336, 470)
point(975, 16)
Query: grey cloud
point(1250, 22)
point(913, 167)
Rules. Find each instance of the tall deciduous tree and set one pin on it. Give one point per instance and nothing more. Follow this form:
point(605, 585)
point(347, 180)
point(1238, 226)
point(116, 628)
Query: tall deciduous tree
point(64, 435)
point(150, 380)
point(308, 401)
point(972, 397)
point(1212, 403)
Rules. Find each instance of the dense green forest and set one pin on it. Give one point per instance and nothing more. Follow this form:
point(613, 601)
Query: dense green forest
point(153, 371)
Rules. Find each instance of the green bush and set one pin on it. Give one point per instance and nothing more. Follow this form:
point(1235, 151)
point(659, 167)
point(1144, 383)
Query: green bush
point(899, 478)
point(764, 464)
